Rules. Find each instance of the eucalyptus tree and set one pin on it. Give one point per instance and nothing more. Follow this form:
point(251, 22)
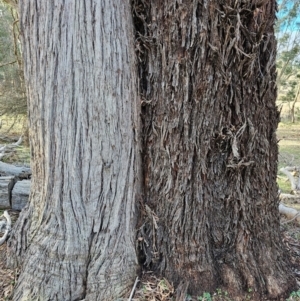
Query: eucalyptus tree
point(152, 128)
point(288, 59)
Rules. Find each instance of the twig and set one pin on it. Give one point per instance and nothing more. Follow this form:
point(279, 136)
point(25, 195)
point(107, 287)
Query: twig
point(133, 289)
point(9, 63)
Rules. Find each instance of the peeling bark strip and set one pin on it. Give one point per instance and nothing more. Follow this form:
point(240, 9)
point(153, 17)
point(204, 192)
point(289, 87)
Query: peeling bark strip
point(208, 90)
point(76, 239)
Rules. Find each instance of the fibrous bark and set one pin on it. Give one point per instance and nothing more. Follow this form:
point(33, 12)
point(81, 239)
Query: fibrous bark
point(207, 81)
point(76, 238)
point(210, 210)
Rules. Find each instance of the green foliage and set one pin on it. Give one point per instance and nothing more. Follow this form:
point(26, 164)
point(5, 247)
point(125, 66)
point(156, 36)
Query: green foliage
point(287, 16)
point(288, 54)
point(294, 296)
point(205, 297)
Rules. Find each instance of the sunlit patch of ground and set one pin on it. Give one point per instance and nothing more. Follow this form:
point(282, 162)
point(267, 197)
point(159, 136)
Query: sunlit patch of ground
point(11, 129)
point(289, 151)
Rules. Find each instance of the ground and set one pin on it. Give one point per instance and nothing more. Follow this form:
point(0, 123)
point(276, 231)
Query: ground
point(149, 288)
point(289, 151)
point(8, 277)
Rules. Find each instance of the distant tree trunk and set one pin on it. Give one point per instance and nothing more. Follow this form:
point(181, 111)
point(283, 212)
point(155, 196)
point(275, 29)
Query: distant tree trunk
point(294, 103)
point(208, 88)
point(76, 239)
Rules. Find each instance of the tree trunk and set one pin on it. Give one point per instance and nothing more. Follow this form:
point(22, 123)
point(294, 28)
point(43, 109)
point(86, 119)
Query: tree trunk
point(294, 103)
point(76, 239)
point(208, 87)
point(207, 81)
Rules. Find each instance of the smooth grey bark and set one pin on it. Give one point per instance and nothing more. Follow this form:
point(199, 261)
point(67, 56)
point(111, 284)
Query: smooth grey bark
point(76, 239)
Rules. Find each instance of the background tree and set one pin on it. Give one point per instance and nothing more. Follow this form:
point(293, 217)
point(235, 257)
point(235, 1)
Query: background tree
point(13, 100)
point(209, 209)
point(288, 60)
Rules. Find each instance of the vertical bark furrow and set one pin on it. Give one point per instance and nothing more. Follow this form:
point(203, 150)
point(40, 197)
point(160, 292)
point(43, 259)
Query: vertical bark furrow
point(209, 122)
point(80, 70)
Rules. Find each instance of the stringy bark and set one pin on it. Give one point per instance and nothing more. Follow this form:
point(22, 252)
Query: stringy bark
point(207, 81)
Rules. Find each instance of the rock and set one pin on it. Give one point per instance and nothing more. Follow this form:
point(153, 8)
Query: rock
point(6, 185)
point(20, 194)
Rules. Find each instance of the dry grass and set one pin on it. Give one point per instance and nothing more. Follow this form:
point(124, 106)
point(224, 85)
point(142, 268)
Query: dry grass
point(152, 288)
point(289, 151)
point(10, 131)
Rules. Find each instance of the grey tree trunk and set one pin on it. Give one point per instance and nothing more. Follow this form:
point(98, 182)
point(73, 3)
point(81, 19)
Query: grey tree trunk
point(76, 239)
point(209, 125)
point(210, 211)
